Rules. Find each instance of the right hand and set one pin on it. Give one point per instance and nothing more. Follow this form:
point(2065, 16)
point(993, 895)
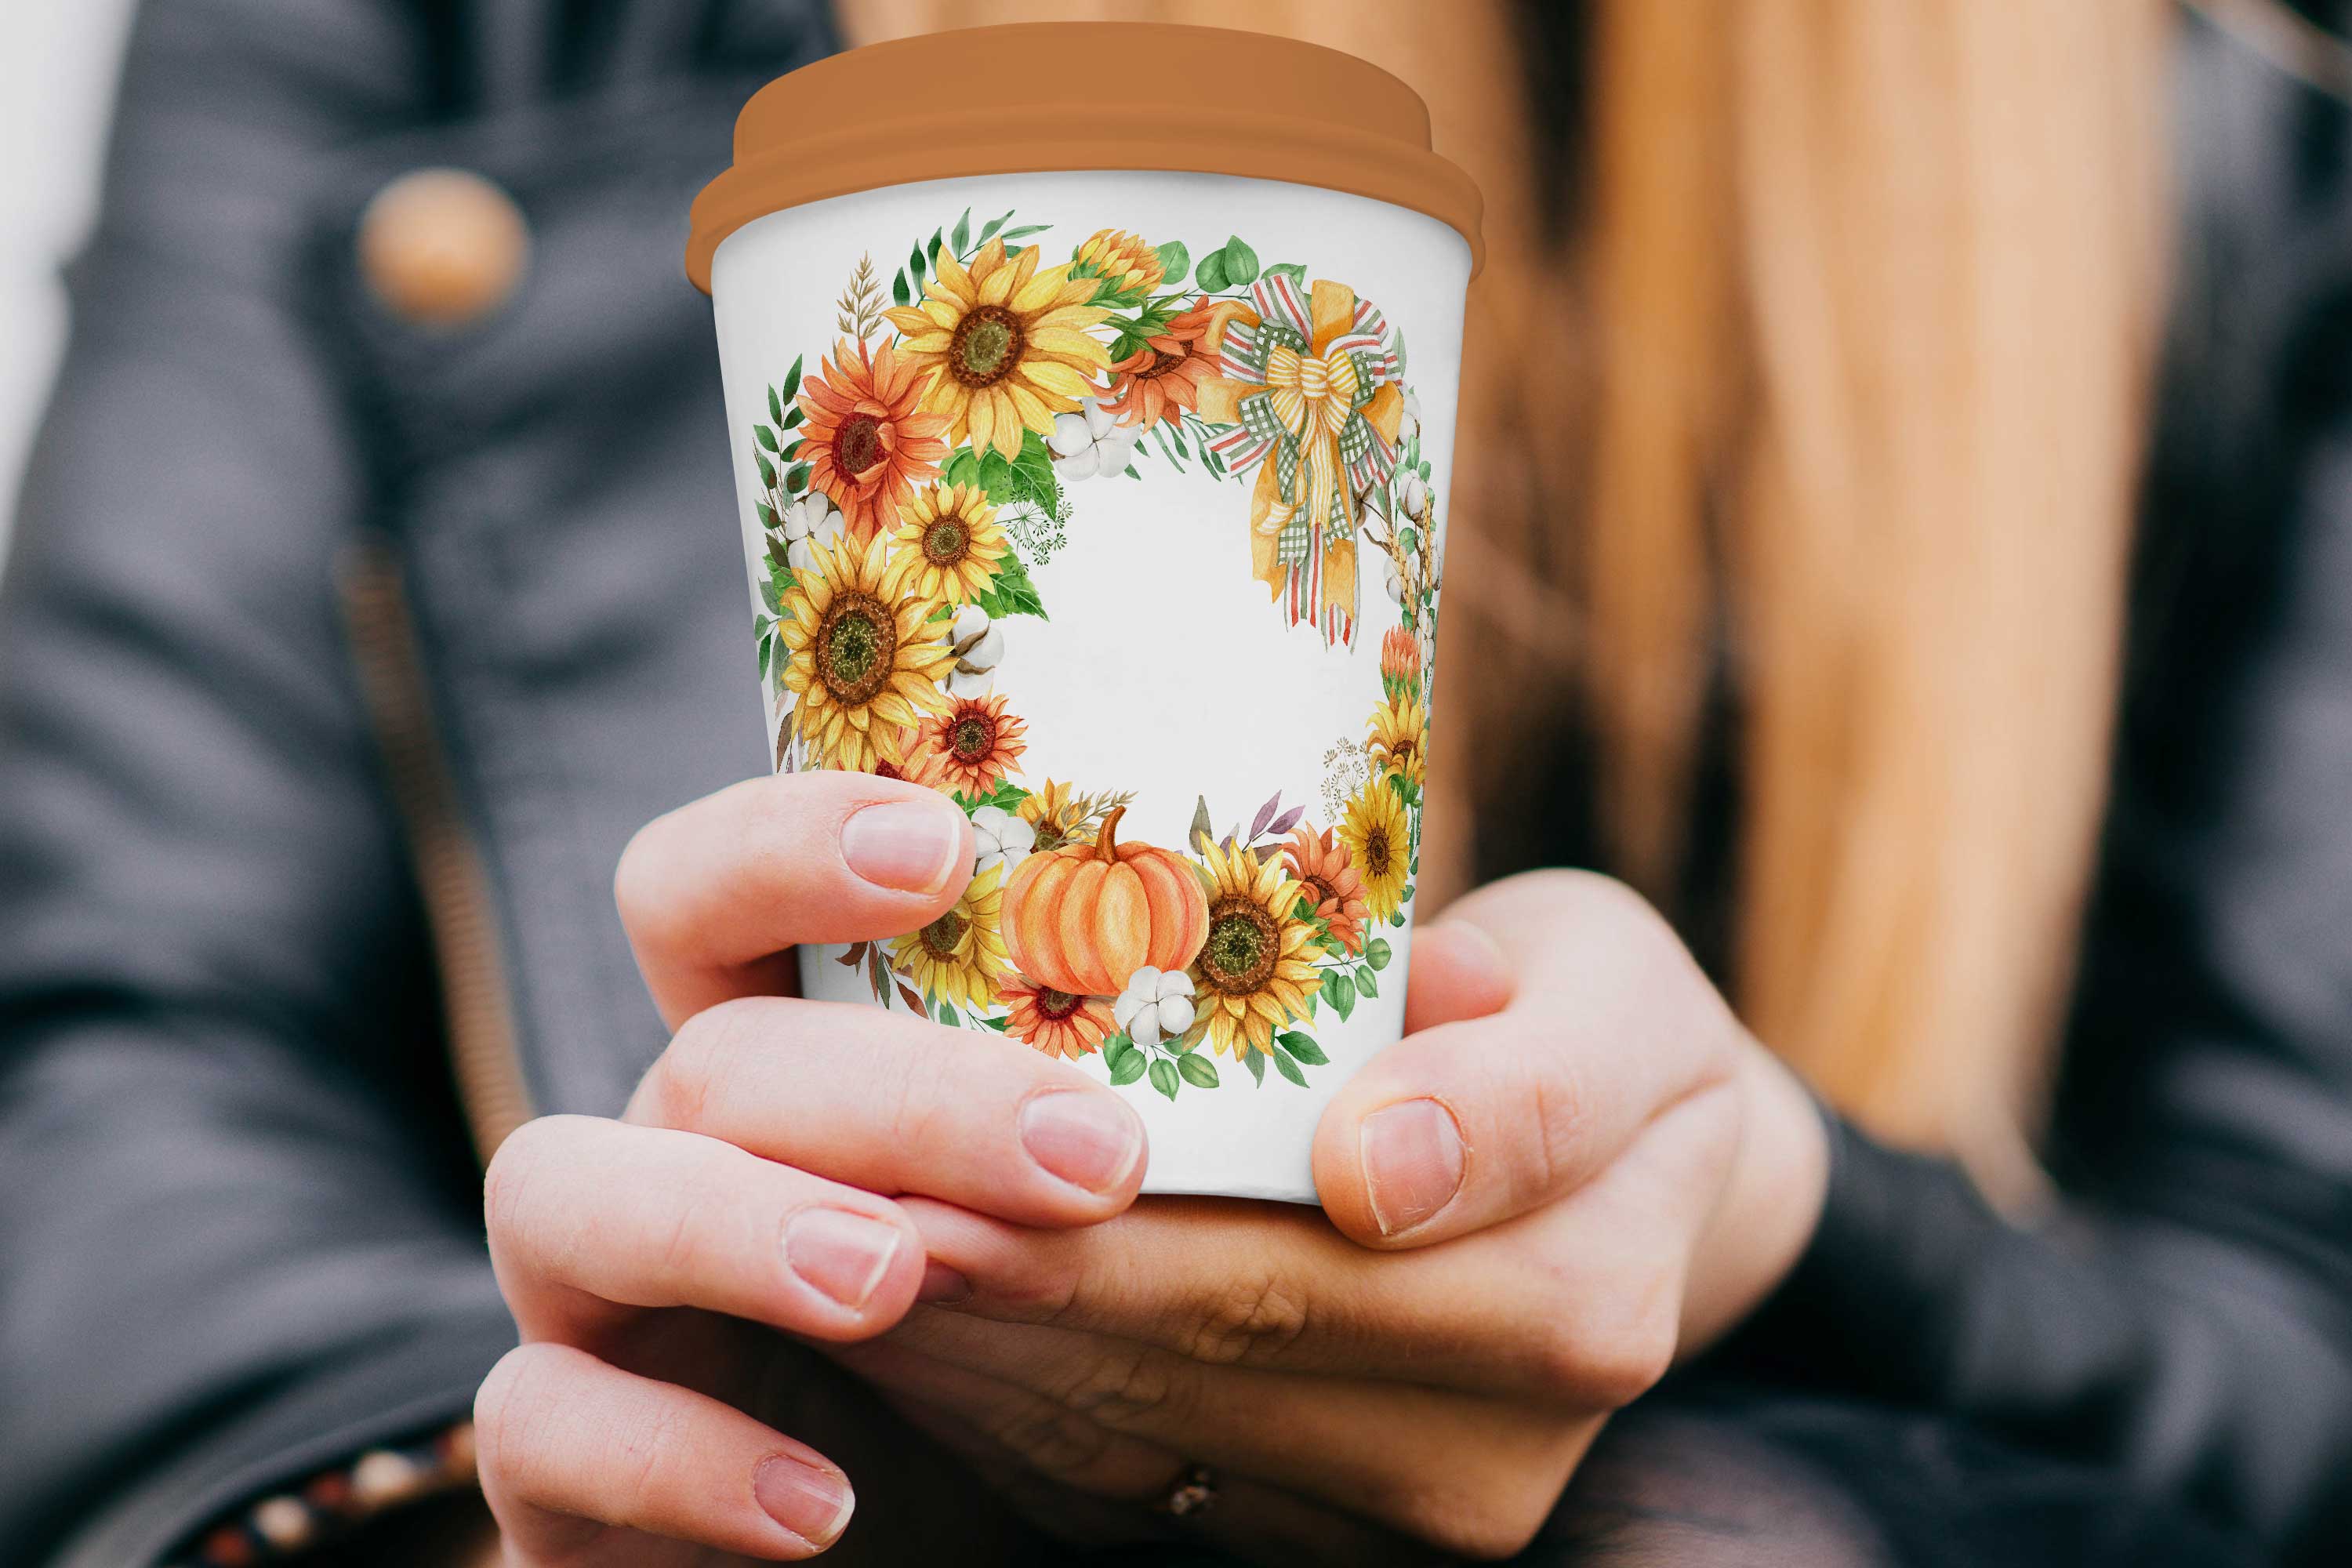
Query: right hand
point(657, 1264)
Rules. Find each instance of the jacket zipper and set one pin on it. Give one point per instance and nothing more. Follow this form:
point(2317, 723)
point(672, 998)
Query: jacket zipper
point(486, 1058)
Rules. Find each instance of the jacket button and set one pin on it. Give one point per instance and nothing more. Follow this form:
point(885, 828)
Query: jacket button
point(443, 248)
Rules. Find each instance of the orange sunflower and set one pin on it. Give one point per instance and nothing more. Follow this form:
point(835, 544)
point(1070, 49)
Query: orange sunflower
point(970, 747)
point(1162, 380)
point(1003, 346)
point(1056, 1022)
point(867, 441)
point(1323, 869)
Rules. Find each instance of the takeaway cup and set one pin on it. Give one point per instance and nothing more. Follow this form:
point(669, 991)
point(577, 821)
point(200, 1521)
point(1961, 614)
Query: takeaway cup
point(1092, 393)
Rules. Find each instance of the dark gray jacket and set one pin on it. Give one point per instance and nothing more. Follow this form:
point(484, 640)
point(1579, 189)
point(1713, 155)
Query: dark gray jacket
point(339, 657)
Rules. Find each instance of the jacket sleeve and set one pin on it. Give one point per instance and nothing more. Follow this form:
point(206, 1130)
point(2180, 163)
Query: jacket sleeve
point(239, 1222)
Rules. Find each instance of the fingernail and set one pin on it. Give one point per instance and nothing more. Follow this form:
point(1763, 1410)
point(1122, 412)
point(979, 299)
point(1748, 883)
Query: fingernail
point(907, 845)
point(1089, 1139)
point(813, 1504)
point(842, 1253)
point(1411, 1155)
point(943, 1286)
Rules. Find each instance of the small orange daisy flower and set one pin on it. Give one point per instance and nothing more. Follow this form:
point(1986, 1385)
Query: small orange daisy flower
point(866, 443)
point(1162, 380)
point(1056, 1022)
point(970, 747)
point(1321, 865)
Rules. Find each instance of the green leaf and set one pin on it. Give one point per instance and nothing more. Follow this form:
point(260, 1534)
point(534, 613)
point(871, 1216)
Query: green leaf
point(1011, 593)
point(1366, 985)
point(766, 438)
point(994, 223)
point(1377, 953)
point(1256, 1060)
point(792, 448)
point(1210, 274)
point(947, 1015)
point(931, 251)
point(1289, 1068)
point(1303, 1048)
point(1340, 991)
point(1024, 231)
point(1198, 1071)
point(1407, 894)
point(793, 379)
point(796, 478)
point(1294, 270)
point(898, 287)
point(767, 470)
point(767, 514)
point(1174, 262)
point(1241, 262)
point(995, 1024)
point(915, 268)
point(767, 641)
point(794, 417)
point(1397, 919)
point(962, 238)
point(775, 406)
point(1126, 1068)
point(1163, 1076)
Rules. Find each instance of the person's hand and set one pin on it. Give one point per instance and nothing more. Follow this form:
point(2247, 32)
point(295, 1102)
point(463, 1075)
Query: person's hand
point(656, 1264)
point(1575, 1168)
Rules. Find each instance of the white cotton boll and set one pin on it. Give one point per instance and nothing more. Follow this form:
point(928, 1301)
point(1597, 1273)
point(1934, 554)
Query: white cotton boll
point(1175, 983)
point(964, 686)
point(970, 621)
point(1416, 494)
point(999, 839)
point(1070, 435)
point(799, 556)
point(987, 653)
point(1101, 421)
point(1395, 584)
point(1175, 1014)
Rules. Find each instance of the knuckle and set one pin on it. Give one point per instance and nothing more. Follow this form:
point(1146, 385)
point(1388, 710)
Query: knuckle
point(690, 1076)
point(1608, 1358)
point(1124, 1386)
point(509, 1183)
point(1249, 1321)
point(1049, 1439)
point(1482, 1519)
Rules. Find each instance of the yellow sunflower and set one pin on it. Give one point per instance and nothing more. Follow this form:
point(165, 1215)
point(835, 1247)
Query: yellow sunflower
point(1255, 970)
point(863, 664)
point(1399, 728)
point(1004, 344)
point(947, 546)
point(1380, 846)
point(1057, 813)
point(959, 957)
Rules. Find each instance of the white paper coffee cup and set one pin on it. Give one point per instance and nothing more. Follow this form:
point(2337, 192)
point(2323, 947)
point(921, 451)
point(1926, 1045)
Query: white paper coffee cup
point(1109, 500)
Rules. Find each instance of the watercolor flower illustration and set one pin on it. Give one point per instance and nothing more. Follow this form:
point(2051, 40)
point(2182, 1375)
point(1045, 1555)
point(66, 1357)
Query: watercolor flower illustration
point(1321, 864)
point(861, 663)
point(971, 746)
point(959, 957)
point(1400, 737)
point(1253, 972)
point(1127, 269)
point(1379, 844)
point(913, 490)
point(947, 546)
point(867, 443)
point(1160, 382)
point(1056, 1022)
point(1003, 344)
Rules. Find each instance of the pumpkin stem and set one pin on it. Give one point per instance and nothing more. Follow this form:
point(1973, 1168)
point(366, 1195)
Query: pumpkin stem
point(1107, 836)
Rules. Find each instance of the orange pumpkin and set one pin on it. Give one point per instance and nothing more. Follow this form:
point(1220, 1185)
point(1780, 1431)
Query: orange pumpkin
point(1082, 918)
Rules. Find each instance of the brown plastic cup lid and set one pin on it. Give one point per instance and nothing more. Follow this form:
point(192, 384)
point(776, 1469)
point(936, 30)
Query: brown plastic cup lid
point(1045, 96)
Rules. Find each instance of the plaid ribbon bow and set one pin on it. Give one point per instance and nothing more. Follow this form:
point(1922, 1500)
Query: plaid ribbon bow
point(1310, 389)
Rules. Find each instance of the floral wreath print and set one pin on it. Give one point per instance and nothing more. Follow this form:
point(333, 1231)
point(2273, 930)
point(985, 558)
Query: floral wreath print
point(910, 481)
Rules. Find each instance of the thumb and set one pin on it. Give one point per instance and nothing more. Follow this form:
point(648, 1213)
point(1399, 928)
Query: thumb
point(1457, 972)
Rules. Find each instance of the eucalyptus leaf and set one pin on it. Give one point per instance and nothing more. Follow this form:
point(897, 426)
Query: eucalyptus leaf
point(1174, 262)
point(1303, 1048)
point(1165, 1079)
point(1198, 1071)
point(1366, 985)
point(1294, 270)
point(1128, 1067)
point(1340, 991)
point(1210, 274)
point(1377, 953)
point(1241, 262)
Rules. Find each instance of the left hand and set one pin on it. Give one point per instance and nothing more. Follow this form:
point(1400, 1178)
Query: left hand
point(1574, 1169)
